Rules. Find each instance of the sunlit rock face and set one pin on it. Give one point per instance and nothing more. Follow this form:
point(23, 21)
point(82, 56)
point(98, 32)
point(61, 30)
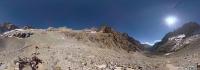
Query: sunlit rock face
point(178, 39)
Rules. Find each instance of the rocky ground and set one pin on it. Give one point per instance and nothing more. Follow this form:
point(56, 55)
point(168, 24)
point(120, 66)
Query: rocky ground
point(66, 49)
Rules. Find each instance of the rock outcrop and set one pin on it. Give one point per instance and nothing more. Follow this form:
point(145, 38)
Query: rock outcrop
point(106, 37)
point(106, 29)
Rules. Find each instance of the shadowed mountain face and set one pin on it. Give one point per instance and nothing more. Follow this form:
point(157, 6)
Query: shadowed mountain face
point(179, 38)
point(188, 29)
point(7, 27)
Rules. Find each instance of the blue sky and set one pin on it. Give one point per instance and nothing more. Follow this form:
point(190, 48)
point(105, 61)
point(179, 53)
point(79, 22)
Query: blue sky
point(141, 19)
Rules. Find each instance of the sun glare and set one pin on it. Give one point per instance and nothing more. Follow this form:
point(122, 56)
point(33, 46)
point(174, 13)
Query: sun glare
point(170, 20)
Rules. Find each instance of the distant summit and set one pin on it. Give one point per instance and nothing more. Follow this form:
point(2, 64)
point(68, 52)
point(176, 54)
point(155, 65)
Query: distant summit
point(188, 29)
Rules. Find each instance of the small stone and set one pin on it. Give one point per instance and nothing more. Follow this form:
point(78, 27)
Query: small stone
point(101, 66)
point(198, 66)
point(118, 68)
point(85, 64)
point(129, 69)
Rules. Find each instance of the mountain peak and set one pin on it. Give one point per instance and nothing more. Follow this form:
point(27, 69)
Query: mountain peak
point(190, 24)
point(188, 29)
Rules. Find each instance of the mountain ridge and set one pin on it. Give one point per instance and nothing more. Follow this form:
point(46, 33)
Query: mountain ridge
point(172, 38)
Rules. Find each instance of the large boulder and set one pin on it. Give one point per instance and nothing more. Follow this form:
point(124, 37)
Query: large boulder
point(105, 29)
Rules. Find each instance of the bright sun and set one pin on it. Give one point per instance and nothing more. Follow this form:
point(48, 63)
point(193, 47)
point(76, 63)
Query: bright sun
point(170, 20)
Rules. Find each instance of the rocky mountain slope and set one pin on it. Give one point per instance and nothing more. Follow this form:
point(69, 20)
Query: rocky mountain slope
point(96, 49)
point(180, 38)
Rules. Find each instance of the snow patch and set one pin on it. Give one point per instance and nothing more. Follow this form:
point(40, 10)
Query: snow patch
point(8, 32)
point(178, 41)
point(169, 53)
point(151, 43)
point(178, 38)
point(148, 43)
